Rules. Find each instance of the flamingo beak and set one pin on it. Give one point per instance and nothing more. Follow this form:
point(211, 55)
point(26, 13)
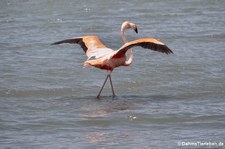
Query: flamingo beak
point(136, 30)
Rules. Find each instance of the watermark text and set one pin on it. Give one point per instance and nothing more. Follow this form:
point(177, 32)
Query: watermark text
point(200, 144)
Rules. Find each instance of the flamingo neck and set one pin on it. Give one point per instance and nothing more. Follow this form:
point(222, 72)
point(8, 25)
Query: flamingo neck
point(123, 36)
point(130, 59)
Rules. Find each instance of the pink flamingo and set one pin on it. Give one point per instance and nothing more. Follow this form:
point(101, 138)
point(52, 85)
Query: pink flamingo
point(104, 58)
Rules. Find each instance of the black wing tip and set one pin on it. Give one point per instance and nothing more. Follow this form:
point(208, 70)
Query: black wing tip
point(58, 42)
point(166, 50)
point(169, 52)
point(53, 43)
point(158, 47)
point(70, 40)
point(73, 41)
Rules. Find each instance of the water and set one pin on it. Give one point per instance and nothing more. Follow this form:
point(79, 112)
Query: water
point(47, 100)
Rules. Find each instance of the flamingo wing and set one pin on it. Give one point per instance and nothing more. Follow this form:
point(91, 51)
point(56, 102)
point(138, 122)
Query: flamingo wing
point(91, 45)
point(148, 43)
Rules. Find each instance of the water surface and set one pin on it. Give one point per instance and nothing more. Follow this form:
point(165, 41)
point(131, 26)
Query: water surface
point(47, 98)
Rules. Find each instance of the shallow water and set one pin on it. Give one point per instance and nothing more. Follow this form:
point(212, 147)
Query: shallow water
point(48, 100)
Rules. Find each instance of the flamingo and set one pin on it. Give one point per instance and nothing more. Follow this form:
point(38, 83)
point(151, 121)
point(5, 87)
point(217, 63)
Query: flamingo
point(100, 56)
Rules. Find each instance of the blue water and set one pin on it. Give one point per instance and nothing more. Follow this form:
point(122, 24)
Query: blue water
point(48, 100)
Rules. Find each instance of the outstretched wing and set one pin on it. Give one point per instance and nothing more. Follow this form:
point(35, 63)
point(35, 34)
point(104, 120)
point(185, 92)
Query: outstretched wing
point(75, 40)
point(148, 43)
point(91, 45)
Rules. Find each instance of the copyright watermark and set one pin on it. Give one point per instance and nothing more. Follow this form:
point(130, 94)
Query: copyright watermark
point(200, 144)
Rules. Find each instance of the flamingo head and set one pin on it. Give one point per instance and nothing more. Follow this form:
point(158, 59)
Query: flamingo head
point(128, 25)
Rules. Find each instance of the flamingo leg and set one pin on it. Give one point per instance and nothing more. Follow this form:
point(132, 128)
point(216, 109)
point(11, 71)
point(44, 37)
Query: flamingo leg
point(111, 85)
point(98, 96)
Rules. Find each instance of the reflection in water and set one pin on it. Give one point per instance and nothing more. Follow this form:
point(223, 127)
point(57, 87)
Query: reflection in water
point(103, 109)
point(98, 114)
point(116, 138)
point(96, 137)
